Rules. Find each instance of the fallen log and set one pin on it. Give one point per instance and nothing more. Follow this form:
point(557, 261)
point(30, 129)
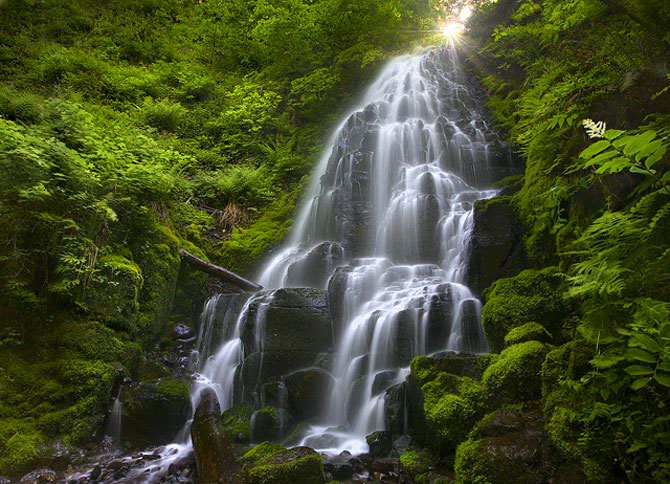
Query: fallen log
point(219, 272)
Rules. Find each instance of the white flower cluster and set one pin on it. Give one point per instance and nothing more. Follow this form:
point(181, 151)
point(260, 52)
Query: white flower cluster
point(593, 129)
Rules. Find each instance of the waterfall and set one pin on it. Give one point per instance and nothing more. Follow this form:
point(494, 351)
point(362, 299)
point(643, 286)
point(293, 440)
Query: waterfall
point(385, 228)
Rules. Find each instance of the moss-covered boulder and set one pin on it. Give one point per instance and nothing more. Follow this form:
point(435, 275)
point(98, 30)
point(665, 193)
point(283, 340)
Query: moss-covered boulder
point(531, 296)
point(442, 407)
point(272, 464)
point(515, 375)
point(527, 332)
point(113, 296)
point(154, 411)
point(506, 447)
point(236, 423)
point(269, 424)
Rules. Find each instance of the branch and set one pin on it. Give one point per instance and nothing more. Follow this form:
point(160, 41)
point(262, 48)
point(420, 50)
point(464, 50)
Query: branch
point(219, 272)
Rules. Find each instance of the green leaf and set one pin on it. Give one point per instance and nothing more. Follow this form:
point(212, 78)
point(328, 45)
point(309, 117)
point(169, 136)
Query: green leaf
point(612, 134)
point(649, 149)
point(638, 370)
point(614, 166)
point(641, 355)
point(663, 379)
point(637, 169)
point(638, 143)
point(600, 158)
point(665, 330)
point(640, 383)
point(645, 342)
point(595, 148)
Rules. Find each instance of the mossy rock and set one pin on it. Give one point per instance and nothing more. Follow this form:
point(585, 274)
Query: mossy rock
point(506, 447)
point(531, 296)
point(527, 332)
point(417, 465)
point(112, 297)
point(472, 366)
point(236, 422)
point(272, 464)
point(154, 411)
point(515, 376)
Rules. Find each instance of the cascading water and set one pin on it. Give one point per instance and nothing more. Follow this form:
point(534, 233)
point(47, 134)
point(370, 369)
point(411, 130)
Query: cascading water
point(386, 224)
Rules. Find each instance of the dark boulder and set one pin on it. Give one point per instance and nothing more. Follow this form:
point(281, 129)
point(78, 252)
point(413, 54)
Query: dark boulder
point(291, 319)
point(215, 461)
point(307, 391)
point(284, 330)
point(154, 411)
point(496, 243)
point(509, 447)
point(394, 409)
point(269, 424)
point(380, 443)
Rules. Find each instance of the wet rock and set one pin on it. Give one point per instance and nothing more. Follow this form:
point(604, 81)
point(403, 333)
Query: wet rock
point(291, 319)
point(394, 409)
point(269, 424)
point(473, 340)
point(340, 466)
point(236, 422)
point(507, 447)
point(182, 332)
point(307, 391)
point(4, 480)
point(315, 267)
point(366, 274)
point(496, 243)
point(39, 476)
point(284, 331)
point(214, 457)
point(154, 411)
point(380, 443)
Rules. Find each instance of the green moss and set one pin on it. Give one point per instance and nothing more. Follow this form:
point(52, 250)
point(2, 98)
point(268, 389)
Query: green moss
point(415, 463)
point(527, 332)
point(531, 296)
point(261, 452)
point(468, 466)
point(515, 376)
point(173, 387)
point(236, 422)
point(305, 470)
point(112, 295)
point(20, 450)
